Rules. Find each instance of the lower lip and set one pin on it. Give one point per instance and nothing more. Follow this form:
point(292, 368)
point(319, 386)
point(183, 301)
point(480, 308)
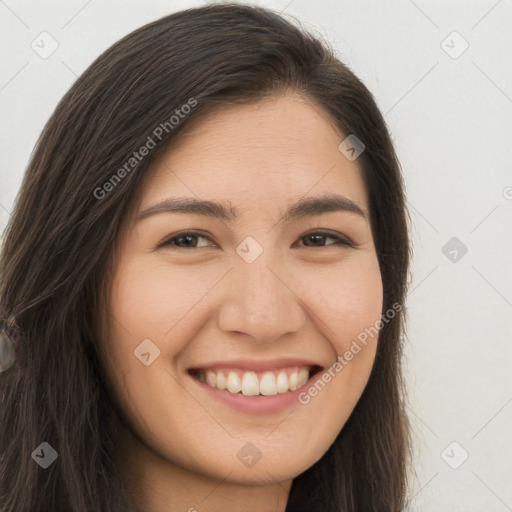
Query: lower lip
point(255, 404)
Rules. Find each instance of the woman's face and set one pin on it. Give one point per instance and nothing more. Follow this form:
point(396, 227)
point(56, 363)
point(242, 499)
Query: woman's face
point(251, 285)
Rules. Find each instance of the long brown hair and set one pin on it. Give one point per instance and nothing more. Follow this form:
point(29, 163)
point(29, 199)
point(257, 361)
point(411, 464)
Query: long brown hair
point(61, 236)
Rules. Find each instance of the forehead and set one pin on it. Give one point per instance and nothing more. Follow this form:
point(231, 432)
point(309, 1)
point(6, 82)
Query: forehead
point(263, 154)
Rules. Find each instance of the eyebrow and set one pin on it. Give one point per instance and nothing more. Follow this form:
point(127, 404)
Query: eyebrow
point(302, 208)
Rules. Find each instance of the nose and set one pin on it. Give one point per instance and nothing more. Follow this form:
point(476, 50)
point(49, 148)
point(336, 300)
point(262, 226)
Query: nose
point(260, 301)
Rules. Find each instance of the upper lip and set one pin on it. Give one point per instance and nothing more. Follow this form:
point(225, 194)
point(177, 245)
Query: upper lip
point(258, 366)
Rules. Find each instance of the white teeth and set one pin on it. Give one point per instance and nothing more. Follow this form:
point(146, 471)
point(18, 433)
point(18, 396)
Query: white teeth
point(292, 381)
point(233, 384)
point(302, 377)
point(250, 384)
point(282, 382)
point(268, 384)
point(221, 381)
point(211, 379)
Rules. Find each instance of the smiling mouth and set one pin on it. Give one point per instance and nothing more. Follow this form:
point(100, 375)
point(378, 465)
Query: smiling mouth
point(250, 383)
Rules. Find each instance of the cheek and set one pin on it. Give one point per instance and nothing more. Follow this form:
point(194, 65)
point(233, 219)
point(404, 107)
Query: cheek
point(347, 304)
point(346, 298)
point(155, 300)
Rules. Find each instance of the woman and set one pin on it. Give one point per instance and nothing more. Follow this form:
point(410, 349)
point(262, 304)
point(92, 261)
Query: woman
point(203, 281)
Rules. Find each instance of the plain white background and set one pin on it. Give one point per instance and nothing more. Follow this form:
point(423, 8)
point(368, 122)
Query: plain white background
point(449, 109)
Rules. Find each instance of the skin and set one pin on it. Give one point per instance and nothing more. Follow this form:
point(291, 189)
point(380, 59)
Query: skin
point(203, 303)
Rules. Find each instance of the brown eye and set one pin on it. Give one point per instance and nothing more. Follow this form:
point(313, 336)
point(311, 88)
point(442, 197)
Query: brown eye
point(318, 239)
point(185, 240)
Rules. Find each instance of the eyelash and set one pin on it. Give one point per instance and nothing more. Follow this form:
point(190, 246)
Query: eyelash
point(340, 240)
